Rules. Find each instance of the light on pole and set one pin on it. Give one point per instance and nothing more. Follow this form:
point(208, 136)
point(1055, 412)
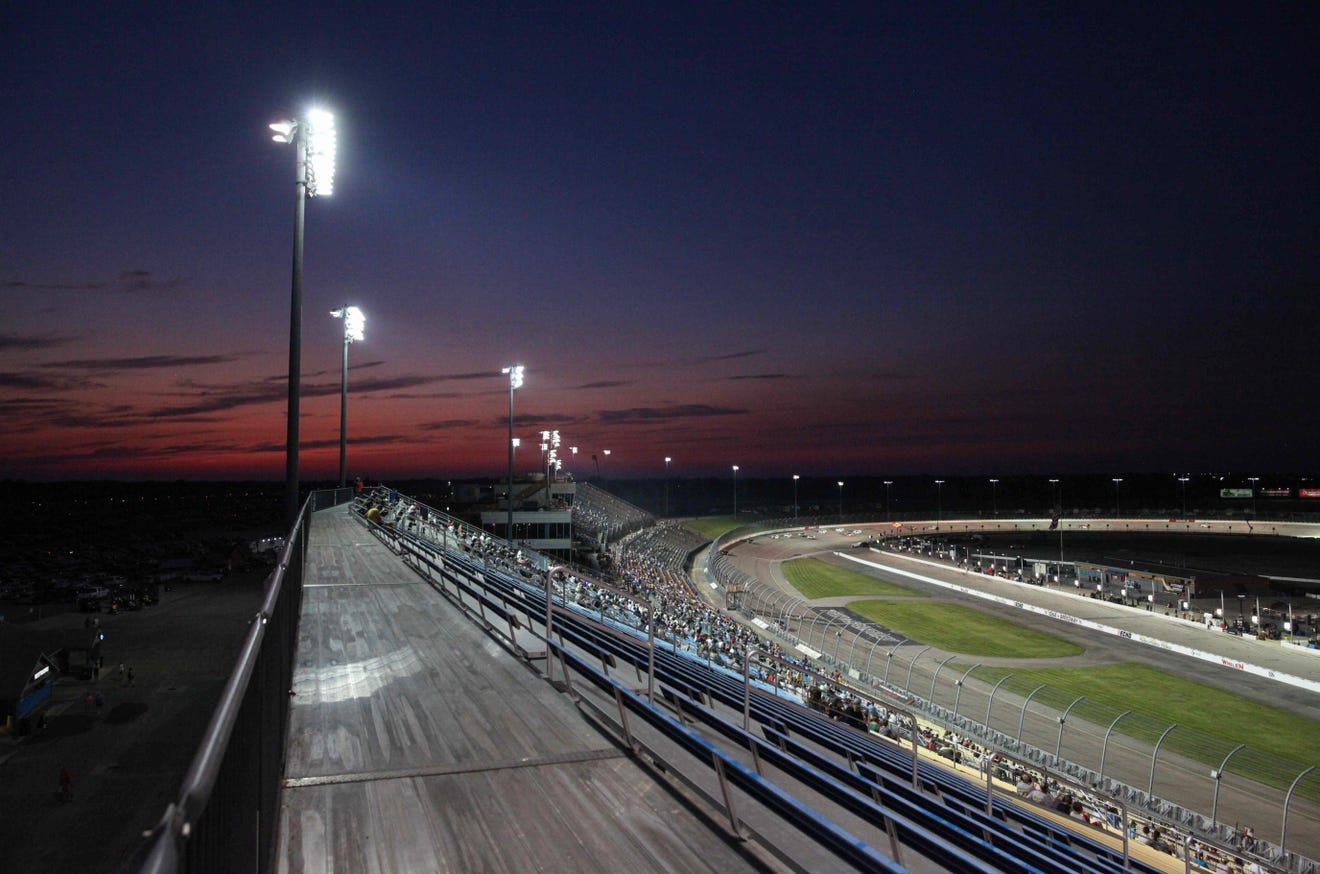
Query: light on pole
point(939, 500)
point(314, 141)
point(994, 495)
point(840, 499)
point(667, 460)
point(354, 323)
point(1253, 480)
point(1183, 480)
point(515, 374)
point(795, 498)
point(888, 483)
point(735, 491)
point(1058, 505)
point(1117, 482)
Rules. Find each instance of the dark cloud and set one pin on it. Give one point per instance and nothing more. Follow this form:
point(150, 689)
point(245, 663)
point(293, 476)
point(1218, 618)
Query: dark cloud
point(760, 376)
point(445, 424)
point(131, 281)
point(607, 383)
point(44, 382)
point(378, 440)
point(642, 415)
point(747, 353)
point(146, 362)
point(14, 341)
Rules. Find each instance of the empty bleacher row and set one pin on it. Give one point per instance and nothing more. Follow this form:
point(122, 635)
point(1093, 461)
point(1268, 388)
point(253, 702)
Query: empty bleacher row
point(514, 594)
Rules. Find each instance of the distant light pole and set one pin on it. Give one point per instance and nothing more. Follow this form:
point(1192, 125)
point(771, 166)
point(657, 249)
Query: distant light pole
point(840, 499)
point(795, 499)
point(314, 141)
point(994, 495)
point(939, 500)
point(354, 323)
point(1117, 482)
point(888, 483)
point(735, 491)
point(1058, 504)
point(1253, 480)
point(667, 460)
point(1183, 480)
point(606, 453)
point(515, 374)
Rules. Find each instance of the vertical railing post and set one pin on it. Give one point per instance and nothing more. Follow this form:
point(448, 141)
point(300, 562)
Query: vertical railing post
point(1287, 799)
point(1150, 787)
point(958, 695)
point(1023, 719)
point(1218, 775)
point(1062, 721)
point(1104, 747)
point(991, 702)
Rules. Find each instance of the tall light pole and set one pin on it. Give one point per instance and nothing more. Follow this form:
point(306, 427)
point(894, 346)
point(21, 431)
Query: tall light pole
point(515, 374)
point(939, 500)
point(888, 483)
point(314, 141)
point(667, 460)
point(994, 495)
point(1117, 481)
point(1058, 503)
point(354, 323)
point(795, 499)
point(1183, 480)
point(735, 491)
point(1253, 480)
point(840, 499)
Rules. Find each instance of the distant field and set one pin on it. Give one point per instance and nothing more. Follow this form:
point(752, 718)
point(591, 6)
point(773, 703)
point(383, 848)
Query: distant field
point(818, 579)
point(711, 526)
point(954, 628)
point(1158, 699)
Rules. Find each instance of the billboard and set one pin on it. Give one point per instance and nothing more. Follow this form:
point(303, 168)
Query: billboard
point(1235, 493)
point(1308, 493)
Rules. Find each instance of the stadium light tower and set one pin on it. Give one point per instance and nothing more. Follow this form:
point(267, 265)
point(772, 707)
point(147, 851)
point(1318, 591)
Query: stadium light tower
point(515, 374)
point(795, 499)
point(994, 496)
point(1183, 481)
point(840, 499)
point(314, 143)
point(939, 500)
point(888, 483)
point(667, 460)
point(1118, 480)
point(735, 491)
point(354, 323)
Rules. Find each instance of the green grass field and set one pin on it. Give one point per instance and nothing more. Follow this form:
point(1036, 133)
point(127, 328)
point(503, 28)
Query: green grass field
point(711, 526)
point(954, 628)
point(1211, 722)
point(818, 579)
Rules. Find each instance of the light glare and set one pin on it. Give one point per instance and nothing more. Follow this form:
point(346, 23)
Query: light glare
point(322, 144)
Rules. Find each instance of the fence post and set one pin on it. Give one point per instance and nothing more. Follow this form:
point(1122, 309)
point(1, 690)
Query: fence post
point(991, 702)
point(907, 687)
point(1023, 719)
point(1104, 748)
point(958, 695)
point(1150, 787)
point(1218, 774)
point(1287, 799)
point(1063, 719)
point(936, 678)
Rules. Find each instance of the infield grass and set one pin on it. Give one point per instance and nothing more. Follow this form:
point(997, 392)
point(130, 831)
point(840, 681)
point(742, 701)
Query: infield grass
point(954, 628)
point(1211, 721)
point(819, 579)
point(711, 526)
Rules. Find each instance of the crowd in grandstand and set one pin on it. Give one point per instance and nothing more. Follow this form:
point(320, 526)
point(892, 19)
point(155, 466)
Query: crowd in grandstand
point(647, 572)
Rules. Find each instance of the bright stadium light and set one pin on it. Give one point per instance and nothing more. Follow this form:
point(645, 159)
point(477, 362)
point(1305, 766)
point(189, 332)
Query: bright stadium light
point(515, 374)
point(315, 143)
point(735, 491)
point(355, 324)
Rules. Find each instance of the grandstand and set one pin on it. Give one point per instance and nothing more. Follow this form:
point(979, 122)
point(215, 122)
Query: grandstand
point(765, 748)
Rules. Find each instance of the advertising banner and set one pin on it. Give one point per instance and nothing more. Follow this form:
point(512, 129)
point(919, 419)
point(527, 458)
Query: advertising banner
point(1235, 493)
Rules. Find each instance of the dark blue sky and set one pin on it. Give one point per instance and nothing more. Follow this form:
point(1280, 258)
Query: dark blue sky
point(849, 238)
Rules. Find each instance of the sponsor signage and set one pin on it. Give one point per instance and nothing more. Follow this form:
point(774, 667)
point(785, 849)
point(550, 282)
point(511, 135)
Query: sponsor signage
point(1308, 493)
point(1235, 493)
point(1276, 493)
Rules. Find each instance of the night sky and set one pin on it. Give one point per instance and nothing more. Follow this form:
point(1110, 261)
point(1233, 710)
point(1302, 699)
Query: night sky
point(802, 238)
